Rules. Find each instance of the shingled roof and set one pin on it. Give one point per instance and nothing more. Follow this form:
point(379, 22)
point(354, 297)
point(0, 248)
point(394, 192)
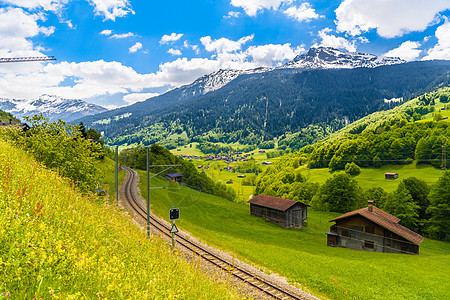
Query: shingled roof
point(385, 220)
point(274, 202)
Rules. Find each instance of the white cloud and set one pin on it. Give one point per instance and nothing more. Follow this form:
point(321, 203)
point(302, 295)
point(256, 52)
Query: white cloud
point(407, 51)
point(252, 7)
point(303, 13)
point(106, 32)
point(329, 40)
point(224, 44)
point(111, 9)
point(121, 36)
point(49, 5)
point(174, 51)
point(135, 47)
point(391, 18)
point(232, 14)
point(173, 37)
point(138, 97)
point(16, 27)
point(442, 48)
point(267, 55)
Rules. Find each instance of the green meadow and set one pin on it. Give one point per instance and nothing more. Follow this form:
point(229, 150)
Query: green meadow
point(56, 243)
point(302, 255)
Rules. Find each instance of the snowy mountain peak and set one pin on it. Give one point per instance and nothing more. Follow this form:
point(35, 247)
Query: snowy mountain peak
point(331, 58)
point(52, 107)
point(216, 80)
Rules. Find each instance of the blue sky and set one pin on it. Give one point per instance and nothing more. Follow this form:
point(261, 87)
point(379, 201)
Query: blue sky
point(117, 52)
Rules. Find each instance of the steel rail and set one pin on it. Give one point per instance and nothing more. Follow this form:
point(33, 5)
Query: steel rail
point(245, 276)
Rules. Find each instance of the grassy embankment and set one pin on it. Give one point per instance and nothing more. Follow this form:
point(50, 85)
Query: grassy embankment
point(302, 255)
point(57, 243)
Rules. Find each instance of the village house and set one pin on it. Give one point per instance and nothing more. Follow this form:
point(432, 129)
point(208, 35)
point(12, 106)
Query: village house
point(372, 229)
point(23, 126)
point(283, 212)
point(175, 177)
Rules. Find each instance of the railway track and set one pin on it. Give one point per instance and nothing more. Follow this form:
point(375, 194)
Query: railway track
point(243, 275)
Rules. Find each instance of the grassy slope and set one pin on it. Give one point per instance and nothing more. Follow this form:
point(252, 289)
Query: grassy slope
point(374, 177)
point(55, 242)
point(302, 255)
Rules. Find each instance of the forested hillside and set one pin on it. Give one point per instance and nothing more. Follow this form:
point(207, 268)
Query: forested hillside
point(6, 117)
point(255, 108)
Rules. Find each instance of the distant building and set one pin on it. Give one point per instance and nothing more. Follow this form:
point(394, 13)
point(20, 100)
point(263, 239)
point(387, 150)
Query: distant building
point(266, 163)
point(390, 175)
point(229, 182)
point(175, 177)
point(372, 229)
point(284, 212)
point(23, 126)
point(241, 176)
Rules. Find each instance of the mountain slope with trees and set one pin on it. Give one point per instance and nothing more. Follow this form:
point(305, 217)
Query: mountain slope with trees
point(259, 107)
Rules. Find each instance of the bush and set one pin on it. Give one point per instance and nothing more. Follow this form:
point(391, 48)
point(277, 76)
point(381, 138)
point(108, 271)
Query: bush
point(352, 169)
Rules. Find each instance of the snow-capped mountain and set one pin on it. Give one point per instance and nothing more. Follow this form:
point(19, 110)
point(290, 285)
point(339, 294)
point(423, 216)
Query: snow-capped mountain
point(331, 58)
point(216, 80)
point(52, 107)
point(315, 58)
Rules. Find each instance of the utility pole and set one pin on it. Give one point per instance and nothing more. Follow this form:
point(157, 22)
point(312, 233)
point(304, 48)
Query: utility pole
point(444, 156)
point(117, 174)
point(148, 185)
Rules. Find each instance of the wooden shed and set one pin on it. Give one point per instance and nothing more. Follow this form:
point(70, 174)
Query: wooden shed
point(372, 229)
point(284, 212)
point(390, 175)
point(175, 177)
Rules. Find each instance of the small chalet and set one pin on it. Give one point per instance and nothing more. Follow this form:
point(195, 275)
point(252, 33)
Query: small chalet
point(390, 175)
point(23, 126)
point(175, 177)
point(372, 229)
point(284, 212)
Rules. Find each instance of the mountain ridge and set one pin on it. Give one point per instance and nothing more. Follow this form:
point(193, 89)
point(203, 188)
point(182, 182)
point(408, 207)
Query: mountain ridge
point(51, 106)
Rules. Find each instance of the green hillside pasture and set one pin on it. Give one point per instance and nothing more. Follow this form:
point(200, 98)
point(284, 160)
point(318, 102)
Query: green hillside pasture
point(189, 149)
point(56, 243)
point(108, 180)
point(374, 177)
point(302, 255)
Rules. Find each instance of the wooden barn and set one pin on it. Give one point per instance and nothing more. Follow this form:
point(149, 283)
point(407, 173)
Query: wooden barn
point(284, 212)
point(23, 126)
point(390, 175)
point(372, 229)
point(175, 177)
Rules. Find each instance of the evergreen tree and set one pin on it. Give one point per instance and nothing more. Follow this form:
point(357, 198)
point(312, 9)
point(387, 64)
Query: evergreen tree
point(439, 224)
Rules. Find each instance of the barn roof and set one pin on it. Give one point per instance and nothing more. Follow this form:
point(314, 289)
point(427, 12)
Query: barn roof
point(385, 220)
point(174, 175)
point(274, 202)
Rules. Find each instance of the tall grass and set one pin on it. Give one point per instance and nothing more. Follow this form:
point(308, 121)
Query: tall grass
point(55, 243)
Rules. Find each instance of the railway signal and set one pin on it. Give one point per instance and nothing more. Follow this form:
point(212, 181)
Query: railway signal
point(174, 214)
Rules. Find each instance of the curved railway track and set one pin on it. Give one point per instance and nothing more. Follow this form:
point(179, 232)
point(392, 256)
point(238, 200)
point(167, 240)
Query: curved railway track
point(245, 276)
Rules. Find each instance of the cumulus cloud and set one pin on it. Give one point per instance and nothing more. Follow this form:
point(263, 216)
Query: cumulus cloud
point(16, 29)
point(252, 7)
point(329, 40)
point(391, 18)
point(407, 51)
point(267, 55)
point(174, 51)
point(135, 47)
point(442, 49)
point(302, 13)
point(49, 5)
point(138, 97)
point(122, 36)
point(173, 37)
point(111, 9)
point(106, 32)
point(224, 44)
point(232, 14)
